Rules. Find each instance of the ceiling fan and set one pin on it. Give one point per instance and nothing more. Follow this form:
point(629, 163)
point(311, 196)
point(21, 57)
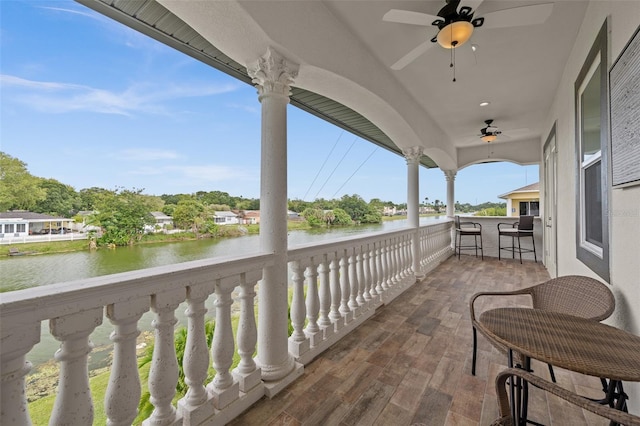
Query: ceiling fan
point(456, 22)
point(489, 133)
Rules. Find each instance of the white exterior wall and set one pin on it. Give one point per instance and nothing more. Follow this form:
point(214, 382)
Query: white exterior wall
point(624, 218)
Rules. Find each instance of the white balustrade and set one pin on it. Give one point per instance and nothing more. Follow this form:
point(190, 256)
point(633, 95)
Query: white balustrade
point(360, 300)
point(73, 405)
point(163, 374)
point(312, 331)
point(246, 373)
point(298, 342)
point(223, 387)
point(353, 283)
point(336, 294)
point(123, 390)
point(336, 286)
point(195, 362)
point(325, 298)
point(17, 340)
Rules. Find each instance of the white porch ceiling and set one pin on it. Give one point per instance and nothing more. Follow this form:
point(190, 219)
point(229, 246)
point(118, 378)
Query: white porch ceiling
point(516, 69)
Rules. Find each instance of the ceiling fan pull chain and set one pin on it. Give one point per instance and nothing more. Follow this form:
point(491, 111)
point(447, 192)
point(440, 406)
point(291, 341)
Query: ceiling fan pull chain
point(454, 64)
point(454, 43)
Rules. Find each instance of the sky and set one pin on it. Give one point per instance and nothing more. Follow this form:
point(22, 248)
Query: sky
point(91, 103)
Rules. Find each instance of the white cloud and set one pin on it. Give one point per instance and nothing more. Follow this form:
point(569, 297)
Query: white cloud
point(144, 154)
point(58, 97)
point(244, 107)
point(76, 12)
point(199, 174)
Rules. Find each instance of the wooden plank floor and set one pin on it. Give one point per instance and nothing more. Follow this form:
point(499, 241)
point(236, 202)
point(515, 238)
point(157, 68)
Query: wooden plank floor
point(410, 364)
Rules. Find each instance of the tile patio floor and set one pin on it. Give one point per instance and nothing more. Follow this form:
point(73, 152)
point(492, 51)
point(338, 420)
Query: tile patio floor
point(410, 364)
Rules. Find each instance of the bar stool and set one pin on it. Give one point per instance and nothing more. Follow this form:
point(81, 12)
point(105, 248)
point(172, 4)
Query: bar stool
point(521, 229)
point(473, 229)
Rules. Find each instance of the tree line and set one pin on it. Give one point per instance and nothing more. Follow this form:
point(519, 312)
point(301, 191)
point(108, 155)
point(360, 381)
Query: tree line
point(123, 214)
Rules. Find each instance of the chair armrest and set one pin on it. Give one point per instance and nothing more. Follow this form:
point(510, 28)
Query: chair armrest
point(475, 224)
point(573, 398)
point(524, 291)
point(510, 225)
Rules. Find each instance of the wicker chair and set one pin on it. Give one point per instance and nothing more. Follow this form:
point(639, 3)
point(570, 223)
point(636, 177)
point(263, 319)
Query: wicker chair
point(572, 294)
point(505, 418)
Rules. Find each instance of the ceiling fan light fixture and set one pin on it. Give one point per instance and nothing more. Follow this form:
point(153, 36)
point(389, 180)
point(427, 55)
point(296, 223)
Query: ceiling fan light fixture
point(455, 34)
point(488, 138)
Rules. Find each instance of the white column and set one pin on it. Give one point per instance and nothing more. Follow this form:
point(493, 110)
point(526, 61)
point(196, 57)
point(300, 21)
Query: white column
point(450, 175)
point(412, 156)
point(273, 76)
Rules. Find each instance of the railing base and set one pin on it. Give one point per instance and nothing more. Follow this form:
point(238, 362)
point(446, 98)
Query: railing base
point(236, 408)
point(271, 389)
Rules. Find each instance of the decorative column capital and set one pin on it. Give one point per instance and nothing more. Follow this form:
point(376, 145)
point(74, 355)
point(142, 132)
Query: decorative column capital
point(450, 175)
point(412, 154)
point(273, 74)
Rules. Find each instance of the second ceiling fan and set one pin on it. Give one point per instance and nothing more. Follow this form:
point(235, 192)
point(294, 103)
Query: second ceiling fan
point(455, 23)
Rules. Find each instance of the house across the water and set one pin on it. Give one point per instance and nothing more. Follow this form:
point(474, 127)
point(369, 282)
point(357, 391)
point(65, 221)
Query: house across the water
point(20, 223)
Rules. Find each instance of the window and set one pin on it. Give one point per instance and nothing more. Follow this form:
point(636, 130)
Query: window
point(529, 208)
point(592, 141)
point(21, 227)
point(8, 228)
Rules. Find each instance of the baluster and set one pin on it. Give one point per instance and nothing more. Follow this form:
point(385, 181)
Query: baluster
point(73, 404)
point(406, 256)
point(423, 248)
point(353, 283)
point(223, 387)
point(395, 265)
point(402, 245)
point(376, 271)
point(325, 297)
point(384, 262)
point(17, 341)
point(344, 285)
point(195, 362)
point(361, 280)
point(298, 310)
point(395, 268)
point(123, 391)
point(246, 373)
point(312, 330)
point(163, 374)
point(366, 266)
point(336, 295)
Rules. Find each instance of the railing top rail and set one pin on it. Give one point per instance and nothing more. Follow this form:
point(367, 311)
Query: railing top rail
point(54, 300)
point(300, 251)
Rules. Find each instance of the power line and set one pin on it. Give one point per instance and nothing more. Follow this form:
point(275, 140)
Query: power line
point(323, 164)
point(336, 167)
point(356, 171)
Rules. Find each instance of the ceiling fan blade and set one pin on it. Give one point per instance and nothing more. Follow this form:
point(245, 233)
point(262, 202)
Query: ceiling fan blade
point(409, 17)
point(412, 56)
point(518, 16)
point(473, 4)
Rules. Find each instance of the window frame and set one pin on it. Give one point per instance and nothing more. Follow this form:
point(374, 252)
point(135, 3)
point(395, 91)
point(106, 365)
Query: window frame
point(594, 256)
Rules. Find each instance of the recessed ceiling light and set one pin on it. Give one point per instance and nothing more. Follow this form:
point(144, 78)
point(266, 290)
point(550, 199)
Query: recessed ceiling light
point(485, 103)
